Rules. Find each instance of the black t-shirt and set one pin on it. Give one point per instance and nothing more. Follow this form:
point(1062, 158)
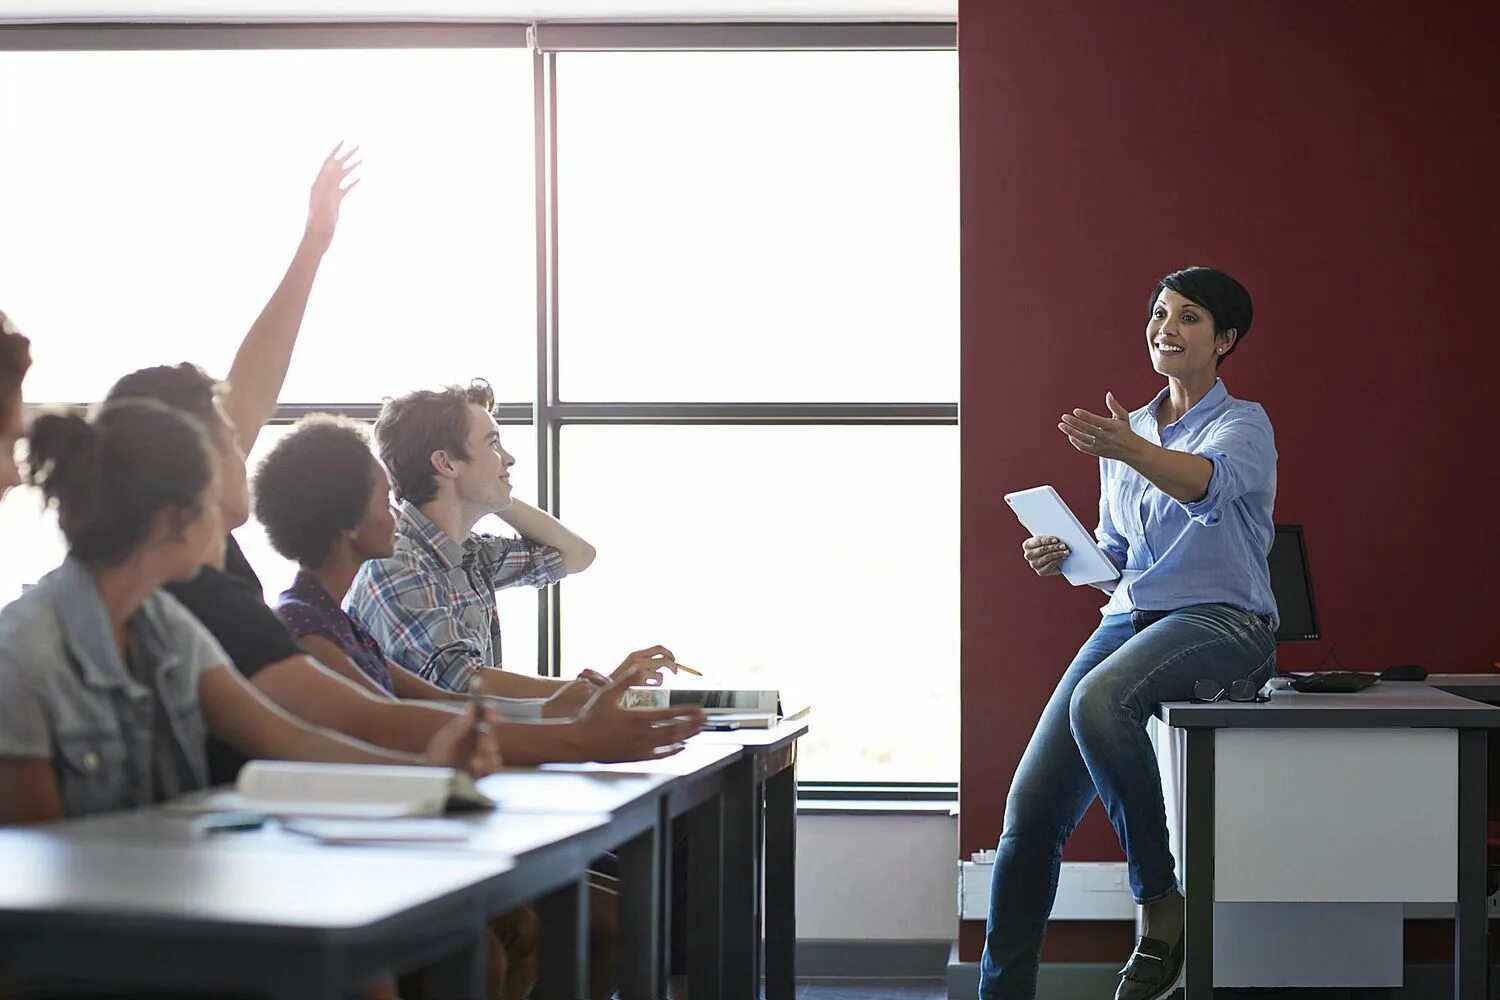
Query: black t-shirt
point(231, 605)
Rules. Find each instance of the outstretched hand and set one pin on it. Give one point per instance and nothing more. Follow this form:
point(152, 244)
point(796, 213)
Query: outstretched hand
point(1106, 437)
point(328, 192)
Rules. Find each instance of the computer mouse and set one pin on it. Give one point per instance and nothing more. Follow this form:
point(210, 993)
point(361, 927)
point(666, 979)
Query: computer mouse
point(1404, 672)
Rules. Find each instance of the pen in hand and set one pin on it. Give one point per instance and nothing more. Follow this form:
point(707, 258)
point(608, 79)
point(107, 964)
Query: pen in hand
point(688, 670)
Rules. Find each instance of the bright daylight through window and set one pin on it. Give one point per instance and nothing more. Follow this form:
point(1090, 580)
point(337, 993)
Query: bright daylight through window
point(733, 230)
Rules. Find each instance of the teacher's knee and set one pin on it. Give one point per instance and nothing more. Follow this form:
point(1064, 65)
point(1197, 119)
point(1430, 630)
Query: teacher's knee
point(1094, 709)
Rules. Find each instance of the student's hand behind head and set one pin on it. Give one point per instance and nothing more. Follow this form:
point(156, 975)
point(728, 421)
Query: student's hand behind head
point(613, 733)
point(467, 743)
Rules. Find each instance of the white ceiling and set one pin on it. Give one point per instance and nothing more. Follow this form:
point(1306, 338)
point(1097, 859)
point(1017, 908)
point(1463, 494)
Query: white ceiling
point(478, 10)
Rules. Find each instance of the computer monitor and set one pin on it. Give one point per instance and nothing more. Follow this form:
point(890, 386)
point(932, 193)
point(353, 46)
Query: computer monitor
point(1291, 585)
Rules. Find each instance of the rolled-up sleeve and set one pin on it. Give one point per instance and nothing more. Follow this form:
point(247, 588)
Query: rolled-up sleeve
point(1243, 452)
point(520, 562)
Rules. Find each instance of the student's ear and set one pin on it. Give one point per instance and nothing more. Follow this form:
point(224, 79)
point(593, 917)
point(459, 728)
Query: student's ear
point(442, 464)
point(171, 525)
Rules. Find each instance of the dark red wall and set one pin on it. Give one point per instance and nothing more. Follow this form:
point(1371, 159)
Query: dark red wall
point(1342, 160)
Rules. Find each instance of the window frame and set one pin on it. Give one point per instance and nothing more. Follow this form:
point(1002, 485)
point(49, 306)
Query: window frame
point(549, 413)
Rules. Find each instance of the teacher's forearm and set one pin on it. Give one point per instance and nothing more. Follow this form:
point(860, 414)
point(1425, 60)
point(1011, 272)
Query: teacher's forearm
point(1180, 475)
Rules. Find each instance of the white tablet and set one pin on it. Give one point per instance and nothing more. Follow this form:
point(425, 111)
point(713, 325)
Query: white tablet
point(1043, 512)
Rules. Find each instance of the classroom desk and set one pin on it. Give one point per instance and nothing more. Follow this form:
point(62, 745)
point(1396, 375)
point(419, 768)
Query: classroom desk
point(692, 800)
point(551, 852)
point(1480, 687)
point(283, 924)
point(760, 821)
point(1264, 822)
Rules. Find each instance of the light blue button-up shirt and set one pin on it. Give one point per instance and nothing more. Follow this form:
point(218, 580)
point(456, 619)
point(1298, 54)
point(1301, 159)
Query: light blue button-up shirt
point(1213, 551)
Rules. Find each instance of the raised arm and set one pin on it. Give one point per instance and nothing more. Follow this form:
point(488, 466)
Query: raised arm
point(260, 365)
point(539, 526)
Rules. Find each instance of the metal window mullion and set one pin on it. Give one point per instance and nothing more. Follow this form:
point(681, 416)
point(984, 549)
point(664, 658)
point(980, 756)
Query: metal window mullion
point(156, 36)
point(728, 36)
point(940, 414)
point(544, 85)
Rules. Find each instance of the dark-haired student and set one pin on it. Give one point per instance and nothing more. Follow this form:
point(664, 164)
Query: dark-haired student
point(431, 604)
point(107, 685)
point(324, 500)
point(15, 359)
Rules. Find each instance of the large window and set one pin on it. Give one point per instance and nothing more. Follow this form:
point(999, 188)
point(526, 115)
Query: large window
point(717, 291)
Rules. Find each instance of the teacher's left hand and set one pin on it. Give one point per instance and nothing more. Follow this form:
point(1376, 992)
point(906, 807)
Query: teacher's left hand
point(1106, 437)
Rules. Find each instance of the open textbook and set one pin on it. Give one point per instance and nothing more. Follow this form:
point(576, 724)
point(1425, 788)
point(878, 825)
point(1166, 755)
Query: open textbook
point(367, 791)
point(746, 709)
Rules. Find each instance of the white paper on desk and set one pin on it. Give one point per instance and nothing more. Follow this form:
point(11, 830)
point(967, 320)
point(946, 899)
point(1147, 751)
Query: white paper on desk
point(381, 831)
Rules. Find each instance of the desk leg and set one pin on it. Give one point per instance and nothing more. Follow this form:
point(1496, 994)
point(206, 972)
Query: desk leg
point(705, 899)
point(639, 949)
point(1199, 867)
point(781, 885)
point(741, 973)
point(563, 928)
point(1471, 930)
point(461, 973)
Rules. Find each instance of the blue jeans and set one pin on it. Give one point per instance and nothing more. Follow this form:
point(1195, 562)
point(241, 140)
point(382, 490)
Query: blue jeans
point(1091, 740)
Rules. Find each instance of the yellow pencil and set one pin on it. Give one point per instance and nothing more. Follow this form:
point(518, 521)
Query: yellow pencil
point(688, 670)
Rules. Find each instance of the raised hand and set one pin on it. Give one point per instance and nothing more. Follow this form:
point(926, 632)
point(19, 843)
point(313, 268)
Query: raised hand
point(328, 192)
point(1106, 437)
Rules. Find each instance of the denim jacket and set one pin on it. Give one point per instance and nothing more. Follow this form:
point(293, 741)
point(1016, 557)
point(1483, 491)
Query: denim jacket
point(67, 694)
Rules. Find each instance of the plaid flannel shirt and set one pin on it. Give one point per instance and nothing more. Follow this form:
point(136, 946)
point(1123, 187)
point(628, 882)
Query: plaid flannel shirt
point(432, 605)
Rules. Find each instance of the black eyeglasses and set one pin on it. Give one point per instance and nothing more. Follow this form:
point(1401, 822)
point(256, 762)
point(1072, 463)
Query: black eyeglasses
point(1243, 690)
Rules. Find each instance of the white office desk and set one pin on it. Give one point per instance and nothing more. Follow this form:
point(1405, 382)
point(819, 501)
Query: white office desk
point(1315, 813)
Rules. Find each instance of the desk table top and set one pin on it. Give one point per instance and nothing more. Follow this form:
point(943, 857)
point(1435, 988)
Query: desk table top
point(760, 740)
point(1385, 704)
point(215, 883)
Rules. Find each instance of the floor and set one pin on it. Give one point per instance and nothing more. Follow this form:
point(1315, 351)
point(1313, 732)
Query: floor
point(875, 989)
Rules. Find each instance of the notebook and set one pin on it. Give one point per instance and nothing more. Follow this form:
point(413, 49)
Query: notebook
point(368, 791)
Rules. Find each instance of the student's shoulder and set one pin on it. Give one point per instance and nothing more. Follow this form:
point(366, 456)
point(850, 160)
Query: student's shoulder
point(29, 625)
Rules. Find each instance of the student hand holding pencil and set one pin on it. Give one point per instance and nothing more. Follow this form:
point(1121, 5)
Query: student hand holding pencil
point(650, 663)
point(468, 742)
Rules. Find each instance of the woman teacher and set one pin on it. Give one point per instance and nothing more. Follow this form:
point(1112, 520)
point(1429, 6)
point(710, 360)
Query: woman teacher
point(1187, 484)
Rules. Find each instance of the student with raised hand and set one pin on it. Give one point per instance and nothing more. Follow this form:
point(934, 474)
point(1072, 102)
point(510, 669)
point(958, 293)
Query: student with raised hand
point(15, 359)
point(226, 596)
point(324, 501)
point(432, 604)
point(107, 685)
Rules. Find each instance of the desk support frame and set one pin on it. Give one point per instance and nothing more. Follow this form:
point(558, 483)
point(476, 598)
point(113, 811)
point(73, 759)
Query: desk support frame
point(780, 883)
point(1471, 928)
point(1198, 923)
point(563, 946)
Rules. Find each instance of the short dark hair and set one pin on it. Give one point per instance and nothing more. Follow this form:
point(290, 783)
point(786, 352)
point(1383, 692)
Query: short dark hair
point(314, 483)
point(110, 476)
point(1217, 292)
point(15, 358)
point(413, 426)
point(185, 387)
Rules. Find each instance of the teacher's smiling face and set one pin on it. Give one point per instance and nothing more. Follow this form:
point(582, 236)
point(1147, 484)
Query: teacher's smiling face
point(1180, 337)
